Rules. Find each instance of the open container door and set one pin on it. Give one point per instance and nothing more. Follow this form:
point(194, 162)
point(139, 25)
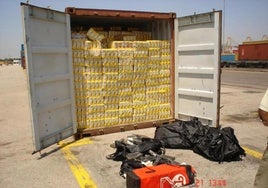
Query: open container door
point(50, 74)
point(197, 67)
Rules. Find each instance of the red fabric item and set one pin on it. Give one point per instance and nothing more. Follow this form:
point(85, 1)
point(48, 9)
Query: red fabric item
point(163, 176)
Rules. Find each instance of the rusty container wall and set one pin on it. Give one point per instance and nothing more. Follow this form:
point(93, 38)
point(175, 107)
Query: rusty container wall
point(161, 28)
point(254, 51)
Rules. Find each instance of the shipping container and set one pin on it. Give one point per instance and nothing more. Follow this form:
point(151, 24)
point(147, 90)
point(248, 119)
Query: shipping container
point(253, 51)
point(227, 57)
point(140, 69)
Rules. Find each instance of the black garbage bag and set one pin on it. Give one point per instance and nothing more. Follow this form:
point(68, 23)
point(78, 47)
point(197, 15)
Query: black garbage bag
point(212, 143)
point(181, 134)
point(220, 145)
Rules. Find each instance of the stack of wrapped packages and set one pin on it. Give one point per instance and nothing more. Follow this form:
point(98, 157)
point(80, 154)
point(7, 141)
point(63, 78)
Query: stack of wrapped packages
point(120, 77)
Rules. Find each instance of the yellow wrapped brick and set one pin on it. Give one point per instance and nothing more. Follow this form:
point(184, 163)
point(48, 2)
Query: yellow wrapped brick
point(125, 105)
point(126, 112)
point(140, 68)
point(164, 98)
point(110, 85)
point(111, 100)
point(110, 69)
point(152, 67)
point(125, 52)
point(139, 97)
point(121, 44)
point(111, 121)
point(141, 53)
point(153, 74)
point(92, 53)
point(125, 120)
point(94, 35)
point(95, 100)
point(78, 44)
point(95, 85)
point(165, 110)
point(125, 91)
point(111, 113)
point(96, 123)
point(96, 108)
point(126, 69)
point(138, 83)
point(110, 93)
point(110, 77)
point(164, 80)
point(97, 77)
point(124, 84)
point(154, 43)
point(155, 60)
point(152, 116)
point(154, 52)
point(125, 61)
point(152, 81)
point(139, 118)
point(95, 93)
point(108, 53)
point(140, 89)
point(164, 72)
point(93, 62)
point(139, 75)
point(165, 52)
point(78, 53)
point(111, 106)
point(93, 70)
point(140, 60)
point(125, 98)
point(95, 116)
point(110, 62)
point(139, 106)
point(165, 44)
point(125, 76)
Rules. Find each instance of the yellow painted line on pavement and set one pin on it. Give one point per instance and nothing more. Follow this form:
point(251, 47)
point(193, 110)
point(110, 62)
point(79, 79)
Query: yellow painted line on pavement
point(253, 153)
point(82, 177)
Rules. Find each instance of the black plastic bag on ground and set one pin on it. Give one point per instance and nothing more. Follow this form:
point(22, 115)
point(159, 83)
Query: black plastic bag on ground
point(212, 143)
point(220, 145)
point(181, 134)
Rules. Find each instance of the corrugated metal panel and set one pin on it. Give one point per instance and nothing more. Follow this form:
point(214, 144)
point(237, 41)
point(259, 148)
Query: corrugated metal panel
point(254, 52)
point(118, 13)
point(256, 42)
point(50, 75)
point(197, 65)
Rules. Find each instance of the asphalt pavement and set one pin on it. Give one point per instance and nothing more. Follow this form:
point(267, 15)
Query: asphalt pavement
point(83, 163)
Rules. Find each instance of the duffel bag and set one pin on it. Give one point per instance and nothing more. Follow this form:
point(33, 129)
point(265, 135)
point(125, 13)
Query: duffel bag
point(161, 176)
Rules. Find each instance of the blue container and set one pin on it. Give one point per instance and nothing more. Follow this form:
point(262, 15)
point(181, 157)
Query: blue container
point(227, 57)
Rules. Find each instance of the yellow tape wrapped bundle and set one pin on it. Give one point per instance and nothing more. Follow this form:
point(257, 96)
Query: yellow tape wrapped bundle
point(127, 83)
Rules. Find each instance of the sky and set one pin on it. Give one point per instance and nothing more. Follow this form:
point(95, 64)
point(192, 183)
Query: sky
point(241, 18)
